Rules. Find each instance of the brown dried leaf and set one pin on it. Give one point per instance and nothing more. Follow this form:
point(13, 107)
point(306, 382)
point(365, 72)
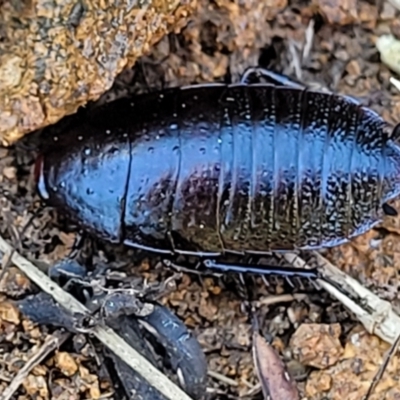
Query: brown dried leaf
point(275, 381)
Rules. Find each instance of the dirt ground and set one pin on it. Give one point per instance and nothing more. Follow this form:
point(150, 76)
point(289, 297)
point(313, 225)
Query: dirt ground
point(325, 349)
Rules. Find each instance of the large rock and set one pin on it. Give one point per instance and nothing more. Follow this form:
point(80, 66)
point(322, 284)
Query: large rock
point(56, 56)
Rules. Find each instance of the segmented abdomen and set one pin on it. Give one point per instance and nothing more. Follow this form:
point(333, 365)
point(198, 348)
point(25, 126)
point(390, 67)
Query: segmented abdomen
point(275, 168)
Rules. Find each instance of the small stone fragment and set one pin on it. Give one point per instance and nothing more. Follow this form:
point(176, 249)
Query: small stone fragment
point(353, 68)
point(317, 383)
point(317, 345)
point(66, 363)
point(341, 12)
point(395, 28)
point(36, 386)
point(15, 283)
point(388, 12)
point(207, 309)
point(10, 172)
point(90, 382)
point(9, 313)
point(40, 370)
point(368, 14)
point(95, 392)
point(351, 376)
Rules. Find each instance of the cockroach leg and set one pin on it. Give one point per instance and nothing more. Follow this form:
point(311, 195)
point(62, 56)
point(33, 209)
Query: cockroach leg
point(262, 269)
point(269, 76)
point(76, 245)
point(395, 135)
point(180, 268)
point(275, 78)
point(389, 210)
point(143, 247)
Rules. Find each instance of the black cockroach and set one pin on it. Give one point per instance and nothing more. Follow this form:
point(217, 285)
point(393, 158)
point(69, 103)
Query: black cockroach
point(208, 170)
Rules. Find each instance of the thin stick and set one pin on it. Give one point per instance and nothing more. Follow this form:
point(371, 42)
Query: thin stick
point(103, 333)
point(50, 344)
point(377, 315)
point(282, 298)
point(309, 38)
point(222, 378)
point(392, 351)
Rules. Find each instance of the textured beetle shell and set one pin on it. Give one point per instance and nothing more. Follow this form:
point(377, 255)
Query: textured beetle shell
point(216, 168)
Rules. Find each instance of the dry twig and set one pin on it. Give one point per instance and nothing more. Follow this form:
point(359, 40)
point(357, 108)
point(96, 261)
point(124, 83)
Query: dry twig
point(222, 378)
point(392, 351)
point(308, 42)
point(377, 315)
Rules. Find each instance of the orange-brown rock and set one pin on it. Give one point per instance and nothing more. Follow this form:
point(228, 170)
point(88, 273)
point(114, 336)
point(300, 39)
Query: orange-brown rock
point(57, 56)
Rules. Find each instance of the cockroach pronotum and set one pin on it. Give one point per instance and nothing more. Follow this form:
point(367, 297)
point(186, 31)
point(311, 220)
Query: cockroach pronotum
point(208, 170)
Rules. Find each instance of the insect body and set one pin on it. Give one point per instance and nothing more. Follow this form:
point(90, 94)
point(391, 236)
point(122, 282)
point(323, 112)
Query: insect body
point(224, 168)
